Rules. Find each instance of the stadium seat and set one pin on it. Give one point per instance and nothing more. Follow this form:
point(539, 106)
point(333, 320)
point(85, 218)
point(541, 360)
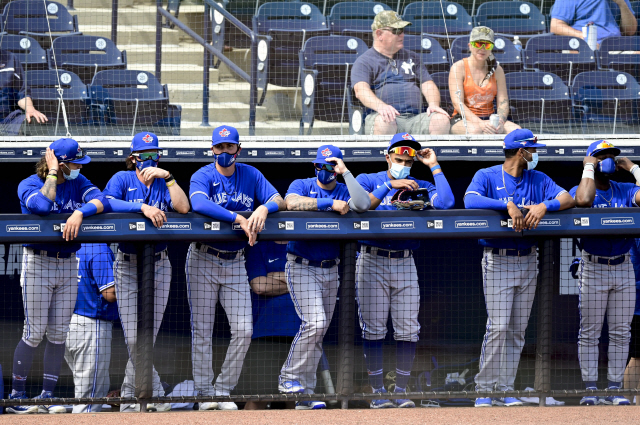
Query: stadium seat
point(354, 19)
point(505, 52)
point(441, 80)
point(620, 54)
point(289, 24)
point(511, 17)
point(430, 51)
point(31, 55)
point(85, 55)
point(635, 6)
point(538, 97)
point(325, 69)
point(563, 56)
point(604, 96)
point(130, 99)
point(33, 18)
point(44, 84)
point(426, 18)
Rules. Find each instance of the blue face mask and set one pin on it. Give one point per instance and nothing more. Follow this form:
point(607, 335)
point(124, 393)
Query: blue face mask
point(73, 174)
point(399, 171)
point(325, 177)
point(607, 166)
point(141, 165)
point(225, 159)
point(534, 161)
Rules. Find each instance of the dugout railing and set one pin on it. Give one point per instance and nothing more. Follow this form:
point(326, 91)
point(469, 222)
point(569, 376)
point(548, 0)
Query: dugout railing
point(430, 226)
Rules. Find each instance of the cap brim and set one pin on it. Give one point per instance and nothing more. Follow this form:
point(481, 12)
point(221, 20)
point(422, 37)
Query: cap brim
point(85, 160)
point(614, 151)
point(410, 143)
point(400, 24)
point(215, 142)
point(322, 161)
point(536, 145)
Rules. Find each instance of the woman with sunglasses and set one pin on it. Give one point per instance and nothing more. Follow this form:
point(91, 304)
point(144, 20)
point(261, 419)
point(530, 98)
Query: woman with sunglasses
point(474, 83)
point(158, 192)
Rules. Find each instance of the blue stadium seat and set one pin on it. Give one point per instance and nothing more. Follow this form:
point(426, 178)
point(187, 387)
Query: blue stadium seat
point(538, 97)
point(441, 80)
point(620, 54)
point(130, 99)
point(31, 55)
point(635, 6)
point(505, 52)
point(430, 51)
point(563, 56)
point(33, 18)
point(426, 18)
point(289, 24)
point(511, 17)
point(325, 69)
point(604, 96)
point(354, 19)
point(44, 94)
point(86, 55)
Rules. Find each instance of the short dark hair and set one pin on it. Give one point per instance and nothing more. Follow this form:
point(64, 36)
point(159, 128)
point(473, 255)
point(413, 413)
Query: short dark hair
point(510, 153)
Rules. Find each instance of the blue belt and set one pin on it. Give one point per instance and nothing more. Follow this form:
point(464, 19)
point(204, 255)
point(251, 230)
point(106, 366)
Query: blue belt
point(324, 264)
point(53, 254)
point(609, 261)
point(512, 252)
point(223, 255)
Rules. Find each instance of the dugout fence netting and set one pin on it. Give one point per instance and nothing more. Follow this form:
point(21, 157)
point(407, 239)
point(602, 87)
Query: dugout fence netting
point(93, 72)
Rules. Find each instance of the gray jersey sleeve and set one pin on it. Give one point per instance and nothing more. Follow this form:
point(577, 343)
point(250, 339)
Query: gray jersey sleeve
point(359, 201)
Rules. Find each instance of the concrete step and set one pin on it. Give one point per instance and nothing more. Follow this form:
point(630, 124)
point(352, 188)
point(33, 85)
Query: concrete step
point(133, 34)
point(103, 4)
point(263, 128)
point(221, 111)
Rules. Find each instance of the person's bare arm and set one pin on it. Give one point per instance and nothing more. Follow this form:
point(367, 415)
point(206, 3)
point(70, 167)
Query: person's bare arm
point(30, 112)
point(371, 101)
point(586, 192)
point(432, 95)
point(502, 98)
point(560, 27)
point(109, 294)
point(301, 203)
point(628, 22)
point(271, 285)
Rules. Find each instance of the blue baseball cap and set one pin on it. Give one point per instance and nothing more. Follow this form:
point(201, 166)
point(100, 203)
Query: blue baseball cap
point(143, 141)
point(602, 146)
point(521, 138)
point(403, 139)
point(67, 150)
point(225, 134)
point(327, 151)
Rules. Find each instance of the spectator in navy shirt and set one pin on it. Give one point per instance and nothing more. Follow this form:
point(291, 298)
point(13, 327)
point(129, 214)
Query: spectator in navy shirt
point(390, 82)
point(15, 96)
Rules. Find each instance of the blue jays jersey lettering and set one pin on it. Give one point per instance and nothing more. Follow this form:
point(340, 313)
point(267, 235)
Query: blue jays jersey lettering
point(95, 274)
point(126, 186)
point(619, 195)
point(371, 182)
point(532, 188)
point(316, 250)
point(70, 196)
point(245, 188)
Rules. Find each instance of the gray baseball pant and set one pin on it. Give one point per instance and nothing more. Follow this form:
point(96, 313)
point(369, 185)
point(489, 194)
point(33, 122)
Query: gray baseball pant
point(209, 280)
point(611, 290)
point(49, 290)
point(126, 280)
point(509, 289)
point(88, 354)
point(384, 284)
point(314, 292)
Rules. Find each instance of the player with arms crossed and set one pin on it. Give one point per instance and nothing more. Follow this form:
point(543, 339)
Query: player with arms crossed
point(312, 268)
point(606, 279)
point(386, 275)
point(216, 270)
point(50, 271)
point(88, 351)
point(510, 266)
point(154, 190)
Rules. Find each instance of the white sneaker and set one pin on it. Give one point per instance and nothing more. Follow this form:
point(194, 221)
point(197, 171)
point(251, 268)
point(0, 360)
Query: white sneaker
point(158, 407)
point(129, 408)
point(227, 405)
point(213, 405)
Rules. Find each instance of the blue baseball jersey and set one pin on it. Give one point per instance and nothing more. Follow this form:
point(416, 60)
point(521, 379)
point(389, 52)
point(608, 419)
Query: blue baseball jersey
point(371, 182)
point(635, 259)
point(619, 195)
point(272, 316)
point(532, 188)
point(245, 189)
point(316, 250)
point(70, 195)
point(95, 274)
point(126, 186)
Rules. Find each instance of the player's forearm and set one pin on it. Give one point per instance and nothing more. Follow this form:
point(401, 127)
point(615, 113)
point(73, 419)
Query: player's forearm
point(475, 201)
point(445, 199)
point(272, 285)
point(560, 27)
point(282, 206)
point(360, 201)
point(179, 199)
point(49, 188)
point(586, 193)
point(566, 201)
point(301, 203)
point(204, 206)
point(375, 202)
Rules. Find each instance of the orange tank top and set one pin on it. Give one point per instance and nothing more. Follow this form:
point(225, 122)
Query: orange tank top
point(479, 99)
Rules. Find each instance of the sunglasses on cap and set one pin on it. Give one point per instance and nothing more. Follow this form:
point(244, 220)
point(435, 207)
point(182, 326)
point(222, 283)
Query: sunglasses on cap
point(79, 155)
point(394, 31)
point(403, 150)
point(487, 45)
point(327, 167)
point(145, 156)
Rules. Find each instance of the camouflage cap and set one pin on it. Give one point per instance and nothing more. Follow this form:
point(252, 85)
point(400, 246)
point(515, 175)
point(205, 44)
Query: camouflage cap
point(388, 19)
point(482, 34)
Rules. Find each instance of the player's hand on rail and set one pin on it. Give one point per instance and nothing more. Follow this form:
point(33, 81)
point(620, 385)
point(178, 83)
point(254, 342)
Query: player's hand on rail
point(516, 216)
point(258, 218)
point(340, 206)
point(157, 216)
point(535, 214)
point(72, 226)
point(244, 225)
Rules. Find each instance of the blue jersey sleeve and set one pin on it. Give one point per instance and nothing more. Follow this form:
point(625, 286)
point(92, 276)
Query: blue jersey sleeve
point(297, 188)
point(87, 190)
point(255, 263)
point(265, 191)
point(478, 184)
point(102, 268)
point(631, 192)
point(201, 202)
point(441, 195)
point(31, 199)
point(551, 189)
point(573, 191)
point(367, 183)
point(116, 187)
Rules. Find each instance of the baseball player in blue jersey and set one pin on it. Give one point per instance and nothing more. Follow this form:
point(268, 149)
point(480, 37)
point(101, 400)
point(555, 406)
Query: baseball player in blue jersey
point(632, 372)
point(216, 270)
point(386, 276)
point(157, 192)
point(49, 271)
point(312, 268)
point(606, 279)
point(509, 266)
point(88, 348)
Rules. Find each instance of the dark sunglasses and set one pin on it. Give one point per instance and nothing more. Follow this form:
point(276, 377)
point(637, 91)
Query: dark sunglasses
point(327, 167)
point(394, 31)
point(145, 156)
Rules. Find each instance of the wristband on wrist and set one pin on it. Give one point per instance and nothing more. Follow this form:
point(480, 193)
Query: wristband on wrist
point(436, 167)
point(168, 179)
point(553, 205)
point(55, 170)
point(381, 192)
point(88, 210)
point(272, 207)
point(52, 177)
point(635, 170)
point(170, 183)
point(588, 173)
point(324, 203)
